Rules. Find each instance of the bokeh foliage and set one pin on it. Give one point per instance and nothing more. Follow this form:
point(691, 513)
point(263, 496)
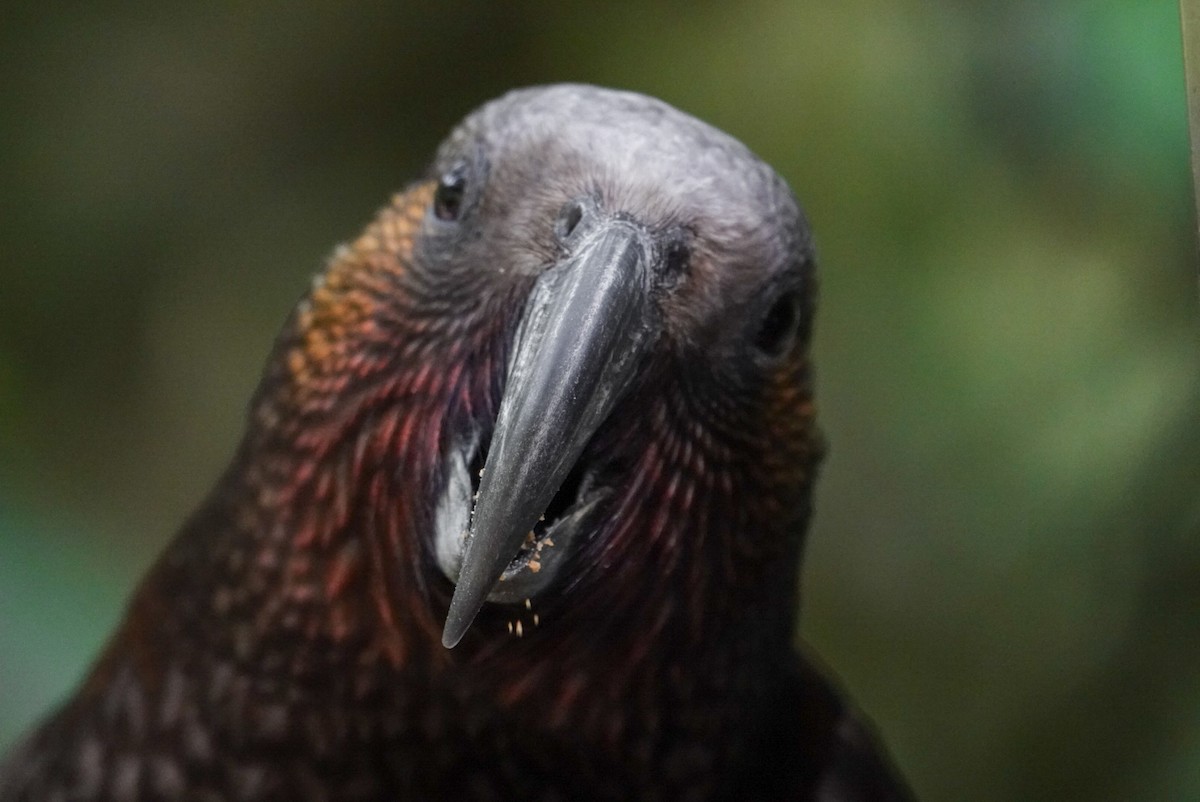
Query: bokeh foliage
point(1005, 568)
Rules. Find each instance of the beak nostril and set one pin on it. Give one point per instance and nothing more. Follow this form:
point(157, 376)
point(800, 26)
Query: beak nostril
point(569, 219)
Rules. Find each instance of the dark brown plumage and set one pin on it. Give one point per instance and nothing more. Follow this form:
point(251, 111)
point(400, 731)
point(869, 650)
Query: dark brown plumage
point(638, 535)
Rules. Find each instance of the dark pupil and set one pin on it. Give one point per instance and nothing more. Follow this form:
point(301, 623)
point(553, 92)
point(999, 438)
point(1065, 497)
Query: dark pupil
point(778, 325)
point(447, 200)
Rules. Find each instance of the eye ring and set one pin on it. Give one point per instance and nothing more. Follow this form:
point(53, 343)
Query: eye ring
point(777, 331)
point(450, 193)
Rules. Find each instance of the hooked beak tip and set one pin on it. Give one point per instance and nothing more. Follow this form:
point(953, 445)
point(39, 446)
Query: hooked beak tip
point(451, 637)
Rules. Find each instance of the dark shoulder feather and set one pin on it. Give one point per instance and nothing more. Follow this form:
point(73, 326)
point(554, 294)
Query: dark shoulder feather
point(818, 746)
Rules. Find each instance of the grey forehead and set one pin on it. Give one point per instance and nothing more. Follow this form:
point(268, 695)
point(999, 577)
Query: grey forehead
point(660, 156)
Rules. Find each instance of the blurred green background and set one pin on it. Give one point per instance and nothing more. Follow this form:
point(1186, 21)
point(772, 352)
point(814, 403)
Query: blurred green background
point(1005, 565)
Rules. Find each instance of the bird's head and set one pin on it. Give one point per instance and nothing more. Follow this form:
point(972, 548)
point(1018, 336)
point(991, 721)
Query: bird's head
point(571, 367)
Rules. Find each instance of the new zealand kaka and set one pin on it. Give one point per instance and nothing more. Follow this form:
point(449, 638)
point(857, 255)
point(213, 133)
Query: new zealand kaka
point(519, 508)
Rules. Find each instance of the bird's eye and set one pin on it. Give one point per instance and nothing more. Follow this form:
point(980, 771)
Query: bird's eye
point(676, 258)
point(448, 198)
point(778, 328)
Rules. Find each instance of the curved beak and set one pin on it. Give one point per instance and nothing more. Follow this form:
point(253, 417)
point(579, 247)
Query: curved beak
point(585, 328)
